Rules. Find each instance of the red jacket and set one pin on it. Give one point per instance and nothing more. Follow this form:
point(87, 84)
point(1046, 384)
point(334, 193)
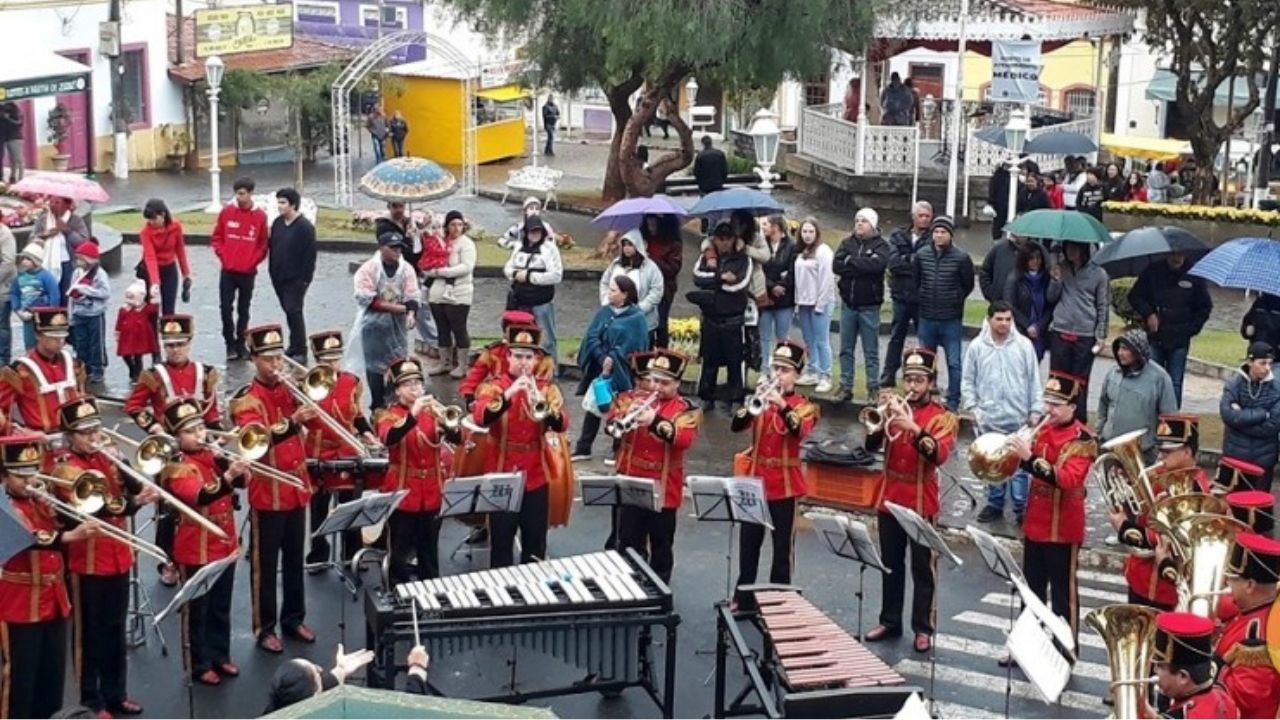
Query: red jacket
point(196, 479)
point(1061, 456)
point(146, 401)
point(775, 444)
point(911, 462)
point(492, 363)
point(1057, 201)
point(32, 588)
point(1212, 702)
point(668, 254)
point(517, 438)
point(101, 555)
point(164, 246)
point(1140, 569)
point(136, 330)
point(239, 239)
point(419, 460)
point(38, 393)
point(657, 451)
point(1244, 665)
point(342, 404)
point(273, 406)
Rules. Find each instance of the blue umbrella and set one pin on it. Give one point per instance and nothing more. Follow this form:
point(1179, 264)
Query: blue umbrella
point(1248, 263)
point(726, 201)
point(1058, 142)
point(407, 180)
point(628, 214)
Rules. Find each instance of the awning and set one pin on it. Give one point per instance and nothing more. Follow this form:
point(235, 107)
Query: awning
point(1164, 88)
point(32, 74)
point(1147, 148)
point(505, 93)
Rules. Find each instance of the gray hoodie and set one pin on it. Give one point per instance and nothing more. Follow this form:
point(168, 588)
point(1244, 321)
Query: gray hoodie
point(1000, 384)
point(1134, 398)
point(647, 277)
point(1085, 306)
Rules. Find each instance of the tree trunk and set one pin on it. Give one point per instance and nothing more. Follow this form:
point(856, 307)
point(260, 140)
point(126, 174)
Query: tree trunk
point(1206, 138)
point(620, 104)
point(299, 149)
point(641, 181)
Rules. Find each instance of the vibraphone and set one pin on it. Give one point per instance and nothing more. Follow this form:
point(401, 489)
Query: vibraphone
point(595, 611)
point(808, 666)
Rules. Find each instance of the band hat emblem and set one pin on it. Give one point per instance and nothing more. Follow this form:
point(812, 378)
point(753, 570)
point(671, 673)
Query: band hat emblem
point(332, 342)
point(660, 362)
point(524, 337)
point(915, 359)
point(272, 337)
point(1052, 385)
point(1164, 429)
point(184, 411)
point(30, 453)
point(172, 327)
point(58, 319)
point(410, 367)
point(86, 410)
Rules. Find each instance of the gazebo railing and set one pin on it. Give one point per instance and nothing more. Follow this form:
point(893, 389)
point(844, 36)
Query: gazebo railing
point(891, 149)
point(829, 137)
point(982, 158)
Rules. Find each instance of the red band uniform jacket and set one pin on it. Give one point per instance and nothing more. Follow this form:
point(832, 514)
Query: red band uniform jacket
point(1244, 665)
point(776, 435)
point(197, 479)
point(516, 436)
point(162, 383)
point(657, 451)
point(418, 458)
point(1060, 459)
point(343, 405)
point(274, 406)
point(911, 462)
point(32, 588)
point(1144, 575)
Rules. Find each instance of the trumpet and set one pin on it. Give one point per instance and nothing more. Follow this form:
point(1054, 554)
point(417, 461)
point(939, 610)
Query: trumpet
point(759, 400)
point(620, 426)
point(991, 456)
point(450, 416)
point(539, 408)
point(315, 385)
point(878, 418)
point(156, 448)
point(81, 514)
point(251, 444)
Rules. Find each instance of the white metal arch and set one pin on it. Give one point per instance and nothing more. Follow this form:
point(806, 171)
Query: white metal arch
point(369, 60)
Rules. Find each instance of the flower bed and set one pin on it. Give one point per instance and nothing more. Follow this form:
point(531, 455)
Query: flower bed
point(1214, 225)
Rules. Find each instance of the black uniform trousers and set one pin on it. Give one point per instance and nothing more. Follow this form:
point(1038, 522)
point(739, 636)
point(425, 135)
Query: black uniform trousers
point(319, 511)
point(100, 606)
point(166, 527)
point(292, 295)
point(278, 540)
point(782, 513)
point(235, 290)
point(35, 665)
point(1075, 357)
point(652, 534)
point(531, 521)
point(206, 622)
point(895, 544)
point(1051, 574)
point(413, 534)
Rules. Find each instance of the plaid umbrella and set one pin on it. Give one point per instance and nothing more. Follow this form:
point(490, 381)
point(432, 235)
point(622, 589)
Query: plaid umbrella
point(407, 180)
point(1064, 225)
point(1248, 263)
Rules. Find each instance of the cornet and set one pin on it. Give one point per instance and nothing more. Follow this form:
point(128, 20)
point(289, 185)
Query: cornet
point(449, 416)
point(879, 418)
point(539, 408)
point(765, 389)
point(620, 426)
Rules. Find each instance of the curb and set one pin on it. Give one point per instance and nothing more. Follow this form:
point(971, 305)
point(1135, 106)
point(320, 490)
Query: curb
point(331, 245)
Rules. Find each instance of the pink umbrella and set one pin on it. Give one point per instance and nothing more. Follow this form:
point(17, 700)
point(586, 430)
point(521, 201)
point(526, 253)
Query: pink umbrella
point(60, 184)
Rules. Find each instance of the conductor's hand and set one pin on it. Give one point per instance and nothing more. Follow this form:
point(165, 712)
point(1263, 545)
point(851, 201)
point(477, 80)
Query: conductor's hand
point(418, 656)
point(346, 664)
point(1019, 445)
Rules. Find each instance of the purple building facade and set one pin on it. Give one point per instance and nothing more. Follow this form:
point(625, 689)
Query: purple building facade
point(356, 22)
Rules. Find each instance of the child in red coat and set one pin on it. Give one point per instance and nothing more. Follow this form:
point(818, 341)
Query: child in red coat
point(435, 252)
point(136, 328)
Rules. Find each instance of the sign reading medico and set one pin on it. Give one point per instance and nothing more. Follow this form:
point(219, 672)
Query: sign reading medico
point(1015, 71)
point(243, 28)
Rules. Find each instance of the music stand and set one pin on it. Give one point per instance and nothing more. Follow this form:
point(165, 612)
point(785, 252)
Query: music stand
point(849, 539)
point(734, 500)
point(483, 494)
point(353, 515)
point(1001, 563)
point(197, 587)
point(140, 600)
point(617, 490)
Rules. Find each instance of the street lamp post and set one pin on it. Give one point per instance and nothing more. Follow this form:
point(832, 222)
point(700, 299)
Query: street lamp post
point(213, 69)
point(1015, 137)
point(765, 134)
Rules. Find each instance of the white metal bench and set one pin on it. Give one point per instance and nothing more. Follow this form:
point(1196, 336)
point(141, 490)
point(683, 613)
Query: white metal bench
point(534, 180)
point(702, 116)
point(268, 204)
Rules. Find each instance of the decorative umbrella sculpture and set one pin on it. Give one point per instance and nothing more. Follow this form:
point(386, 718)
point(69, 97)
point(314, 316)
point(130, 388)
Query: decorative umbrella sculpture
point(1137, 249)
point(723, 202)
point(1064, 225)
point(408, 180)
point(60, 184)
point(1248, 263)
point(628, 214)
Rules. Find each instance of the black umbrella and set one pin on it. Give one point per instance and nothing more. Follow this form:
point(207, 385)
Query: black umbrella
point(1138, 248)
point(14, 536)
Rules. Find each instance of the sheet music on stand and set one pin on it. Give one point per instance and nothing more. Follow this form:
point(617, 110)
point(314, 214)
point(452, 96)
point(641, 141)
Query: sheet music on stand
point(921, 532)
point(611, 490)
point(199, 585)
point(730, 499)
point(1001, 562)
point(1032, 646)
point(361, 512)
point(483, 494)
point(847, 538)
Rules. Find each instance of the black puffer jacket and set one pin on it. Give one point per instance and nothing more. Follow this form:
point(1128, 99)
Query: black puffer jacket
point(902, 287)
point(1251, 413)
point(944, 279)
point(1181, 302)
point(860, 264)
point(779, 272)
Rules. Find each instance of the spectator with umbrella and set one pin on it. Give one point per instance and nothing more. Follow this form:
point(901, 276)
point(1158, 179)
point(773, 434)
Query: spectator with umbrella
point(1249, 263)
point(658, 219)
point(1250, 409)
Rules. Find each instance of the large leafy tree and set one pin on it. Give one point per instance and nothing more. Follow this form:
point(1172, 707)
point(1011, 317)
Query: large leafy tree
point(621, 46)
point(1209, 42)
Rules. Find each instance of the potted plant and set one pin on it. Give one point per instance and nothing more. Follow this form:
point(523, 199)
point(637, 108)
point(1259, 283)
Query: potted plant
point(59, 127)
point(178, 141)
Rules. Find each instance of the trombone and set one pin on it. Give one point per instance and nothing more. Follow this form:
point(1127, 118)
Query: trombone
point(315, 385)
point(155, 448)
point(251, 444)
point(80, 512)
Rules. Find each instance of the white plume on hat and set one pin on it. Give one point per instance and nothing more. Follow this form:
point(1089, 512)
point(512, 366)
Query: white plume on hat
point(871, 216)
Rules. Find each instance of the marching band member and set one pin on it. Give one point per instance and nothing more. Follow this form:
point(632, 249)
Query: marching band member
point(33, 594)
point(917, 439)
point(1244, 664)
point(505, 405)
point(1183, 661)
point(415, 439)
point(47, 376)
point(278, 512)
point(492, 361)
point(655, 449)
point(177, 376)
point(1151, 582)
point(776, 435)
point(643, 387)
point(1235, 474)
point(99, 566)
point(206, 483)
point(1058, 458)
point(342, 404)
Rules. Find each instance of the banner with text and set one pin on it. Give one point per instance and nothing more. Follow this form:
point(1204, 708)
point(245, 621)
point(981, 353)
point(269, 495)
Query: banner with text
point(243, 28)
point(1015, 71)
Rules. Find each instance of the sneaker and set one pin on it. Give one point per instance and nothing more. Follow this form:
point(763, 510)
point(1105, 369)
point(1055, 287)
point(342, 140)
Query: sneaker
point(610, 461)
point(579, 456)
point(990, 514)
point(824, 386)
point(808, 378)
point(844, 394)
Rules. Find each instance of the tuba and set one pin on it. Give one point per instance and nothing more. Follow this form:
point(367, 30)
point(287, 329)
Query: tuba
point(1167, 515)
point(1124, 478)
point(991, 459)
point(1207, 542)
point(1129, 632)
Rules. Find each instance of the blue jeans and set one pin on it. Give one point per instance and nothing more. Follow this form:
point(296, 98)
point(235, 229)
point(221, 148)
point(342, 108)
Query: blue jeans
point(775, 325)
point(815, 328)
point(945, 335)
point(86, 338)
point(1174, 362)
point(6, 334)
point(545, 314)
point(863, 324)
point(1020, 483)
point(379, 151)
point(426, 323)
point(903, 315)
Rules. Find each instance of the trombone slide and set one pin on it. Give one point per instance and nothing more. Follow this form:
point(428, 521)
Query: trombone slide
point(70, 511)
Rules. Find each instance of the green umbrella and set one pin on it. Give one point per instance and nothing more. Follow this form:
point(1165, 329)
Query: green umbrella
point(1066, 225)
point(350, 701)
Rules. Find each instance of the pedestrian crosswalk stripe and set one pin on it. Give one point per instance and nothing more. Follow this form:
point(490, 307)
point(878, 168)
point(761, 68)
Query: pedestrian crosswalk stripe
point(953, 643)
point(1107, 595)
point(1088, 638)
point(981, 681)
point(1101, 577)
point(956, 710)
point(1102, 597)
